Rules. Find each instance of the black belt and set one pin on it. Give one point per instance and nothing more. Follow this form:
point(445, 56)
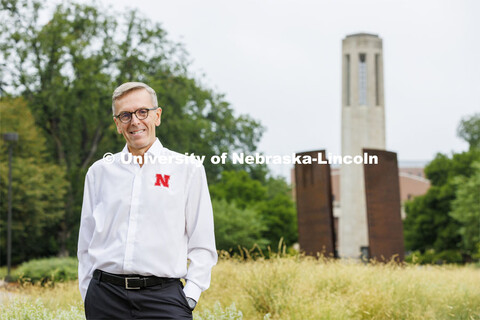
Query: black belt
point(130, 281)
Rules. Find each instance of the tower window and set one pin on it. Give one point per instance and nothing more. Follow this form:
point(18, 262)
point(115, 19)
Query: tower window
point(377, 79)
point(362, 79)
point(347, 79)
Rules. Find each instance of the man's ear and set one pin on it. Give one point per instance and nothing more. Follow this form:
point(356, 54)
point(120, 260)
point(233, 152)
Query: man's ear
point(159, 116)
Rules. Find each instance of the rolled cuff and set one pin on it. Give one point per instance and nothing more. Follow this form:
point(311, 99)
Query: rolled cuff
point(193, 291)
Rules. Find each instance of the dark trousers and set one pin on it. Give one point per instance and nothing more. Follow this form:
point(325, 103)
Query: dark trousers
point(109, 301)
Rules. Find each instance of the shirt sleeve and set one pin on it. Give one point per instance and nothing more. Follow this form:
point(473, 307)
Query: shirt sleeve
point(85, 234)
point(201, 238)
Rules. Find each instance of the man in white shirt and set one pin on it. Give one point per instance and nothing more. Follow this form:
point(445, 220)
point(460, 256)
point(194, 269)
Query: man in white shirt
point(146, 211)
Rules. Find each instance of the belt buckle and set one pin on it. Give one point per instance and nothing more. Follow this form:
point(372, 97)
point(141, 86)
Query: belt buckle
point(126, 282)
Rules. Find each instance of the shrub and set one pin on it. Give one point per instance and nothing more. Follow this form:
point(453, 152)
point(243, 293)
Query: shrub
point(432, 257)
point(47, 270)
point(237, 227)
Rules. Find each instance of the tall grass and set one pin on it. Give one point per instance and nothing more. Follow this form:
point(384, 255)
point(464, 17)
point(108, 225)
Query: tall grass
point(305, 288)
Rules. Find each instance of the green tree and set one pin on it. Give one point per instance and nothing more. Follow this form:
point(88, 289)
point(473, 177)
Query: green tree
point(466, 209)
point(238, 186)
point(271, 199)
point(67, 69)
point(38, 187)
point(278, 213)
point(469, 130)
point(235, 226)
point(428, 224)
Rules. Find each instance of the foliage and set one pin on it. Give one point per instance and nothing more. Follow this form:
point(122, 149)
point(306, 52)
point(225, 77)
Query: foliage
point(466, 209)
point(48, 270)
point(429, 224)
point(469, 130)
point(38, 187)
point(442, 169)
point(279, 213)
point(432, 257)
point(238, 186)
point(67, 68)
point(447, 217)
point(271, 200)
point(236, 226)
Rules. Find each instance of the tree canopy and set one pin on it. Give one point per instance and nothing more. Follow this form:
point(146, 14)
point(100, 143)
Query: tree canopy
point(38, 186)
point(447, 217)
point(268, 205)
point(469, 130)
point(66, 70)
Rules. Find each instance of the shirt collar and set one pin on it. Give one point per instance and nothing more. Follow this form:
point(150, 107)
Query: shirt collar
point(154, 149)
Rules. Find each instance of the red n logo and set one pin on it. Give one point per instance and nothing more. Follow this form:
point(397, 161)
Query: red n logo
point(162, 180)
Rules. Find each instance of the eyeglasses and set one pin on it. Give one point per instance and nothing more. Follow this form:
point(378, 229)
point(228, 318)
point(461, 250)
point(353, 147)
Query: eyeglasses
point(141, 114)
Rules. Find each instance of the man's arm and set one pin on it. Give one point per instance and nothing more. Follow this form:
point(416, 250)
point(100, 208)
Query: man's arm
point(85, 235)
point(201, 239)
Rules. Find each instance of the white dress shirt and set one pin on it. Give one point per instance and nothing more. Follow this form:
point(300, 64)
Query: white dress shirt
point(135, 223)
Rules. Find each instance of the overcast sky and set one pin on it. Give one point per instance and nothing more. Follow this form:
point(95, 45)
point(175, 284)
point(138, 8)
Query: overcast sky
point(279, 61)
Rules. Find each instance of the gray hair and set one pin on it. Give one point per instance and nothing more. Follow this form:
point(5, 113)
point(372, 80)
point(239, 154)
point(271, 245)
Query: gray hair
point(129, 86)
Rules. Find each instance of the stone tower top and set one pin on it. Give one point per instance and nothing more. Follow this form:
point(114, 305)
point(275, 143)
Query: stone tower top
point(362, 70)
point(362, 34)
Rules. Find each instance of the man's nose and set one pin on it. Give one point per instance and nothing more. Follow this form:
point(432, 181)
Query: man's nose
point(135, 119)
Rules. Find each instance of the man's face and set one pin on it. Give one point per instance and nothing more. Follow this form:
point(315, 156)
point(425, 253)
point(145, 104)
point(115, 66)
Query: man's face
point(139, 134)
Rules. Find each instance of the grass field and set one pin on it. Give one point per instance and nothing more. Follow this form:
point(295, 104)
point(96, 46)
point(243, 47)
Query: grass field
point(295, 288)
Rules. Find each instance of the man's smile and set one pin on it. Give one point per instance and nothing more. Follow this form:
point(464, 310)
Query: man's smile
point(137, 132)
